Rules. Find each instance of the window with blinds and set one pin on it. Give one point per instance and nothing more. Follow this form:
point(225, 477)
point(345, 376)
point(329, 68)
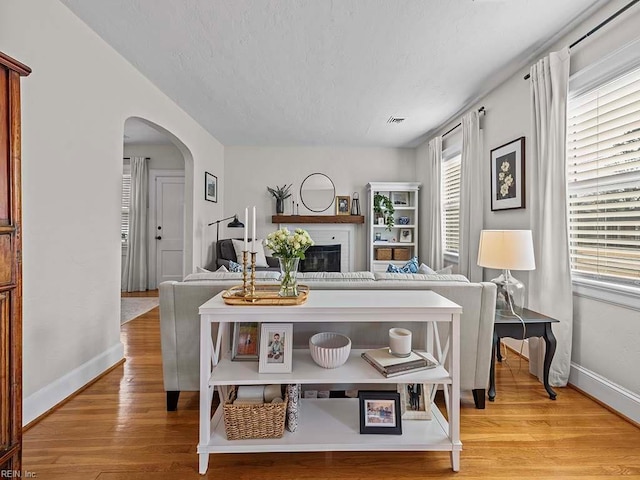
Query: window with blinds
point(126, 199)
point(451, 204)
point(603, 175)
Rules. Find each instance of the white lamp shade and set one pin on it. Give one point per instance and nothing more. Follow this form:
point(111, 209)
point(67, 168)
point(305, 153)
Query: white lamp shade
point(506, 250)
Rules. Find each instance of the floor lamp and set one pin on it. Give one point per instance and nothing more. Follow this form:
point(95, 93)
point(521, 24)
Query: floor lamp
point(507, 250)
point(235, 223)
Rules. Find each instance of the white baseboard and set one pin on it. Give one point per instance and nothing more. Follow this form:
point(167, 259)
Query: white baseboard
point(616, 397)
point(49, 396)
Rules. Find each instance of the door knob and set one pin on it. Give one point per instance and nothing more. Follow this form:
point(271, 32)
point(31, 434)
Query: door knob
point(158, 237)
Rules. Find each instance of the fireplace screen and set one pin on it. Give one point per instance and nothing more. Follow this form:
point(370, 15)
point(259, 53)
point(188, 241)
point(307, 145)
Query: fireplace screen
point(321, 258)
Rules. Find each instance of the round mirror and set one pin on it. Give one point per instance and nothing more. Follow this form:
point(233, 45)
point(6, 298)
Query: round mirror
point(317, 192)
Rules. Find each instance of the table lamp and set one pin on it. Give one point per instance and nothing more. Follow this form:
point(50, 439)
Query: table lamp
point(507, 250)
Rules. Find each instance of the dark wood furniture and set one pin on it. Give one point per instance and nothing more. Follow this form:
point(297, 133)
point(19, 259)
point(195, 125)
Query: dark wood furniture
point(10, 267)
point(317, 219)
point(535, 325)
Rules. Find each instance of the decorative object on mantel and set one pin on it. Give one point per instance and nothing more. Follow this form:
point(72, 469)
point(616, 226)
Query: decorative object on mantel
point(280, 194)
point(355, 204)
point(317, 192)
point(383, 208)
point(342, 205)
point(289, 248)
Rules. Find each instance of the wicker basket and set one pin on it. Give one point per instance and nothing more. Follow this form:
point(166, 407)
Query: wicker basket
point(401, 253)
point(383, 253)
point(264, 420)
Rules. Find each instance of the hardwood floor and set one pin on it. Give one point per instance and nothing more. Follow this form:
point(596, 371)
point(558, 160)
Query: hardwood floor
point(118, 429)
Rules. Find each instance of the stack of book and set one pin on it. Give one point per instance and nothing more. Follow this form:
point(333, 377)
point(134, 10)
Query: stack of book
point(390, 366)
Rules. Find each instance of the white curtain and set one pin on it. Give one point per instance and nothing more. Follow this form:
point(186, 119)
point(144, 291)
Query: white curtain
point(550, 290)
point(471, 197)
point(434, 257)
point(134, 275)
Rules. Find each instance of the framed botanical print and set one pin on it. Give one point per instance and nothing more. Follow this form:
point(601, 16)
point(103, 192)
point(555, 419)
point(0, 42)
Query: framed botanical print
point(507, 176)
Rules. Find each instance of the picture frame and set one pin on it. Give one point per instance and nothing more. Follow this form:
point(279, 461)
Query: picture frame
point(415, 401)
point(276, 348)
point(406, 235)
point(400, 199)
point(246, 341)
point(343, 203)
point(508, 176)
point(210, 187)
point(380, 412)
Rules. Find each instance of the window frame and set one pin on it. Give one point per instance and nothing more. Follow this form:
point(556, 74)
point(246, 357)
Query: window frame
point(449, 155)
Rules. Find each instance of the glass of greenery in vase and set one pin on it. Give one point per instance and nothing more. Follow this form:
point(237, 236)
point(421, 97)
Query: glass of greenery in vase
point(280, 194)
point(289, 248)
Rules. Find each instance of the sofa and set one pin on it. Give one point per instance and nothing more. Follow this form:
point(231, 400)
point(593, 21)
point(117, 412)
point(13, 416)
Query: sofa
point(180, 323)
point(226, 253)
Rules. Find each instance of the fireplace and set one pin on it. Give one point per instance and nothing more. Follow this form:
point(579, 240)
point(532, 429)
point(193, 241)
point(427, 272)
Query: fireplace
point(321, 258)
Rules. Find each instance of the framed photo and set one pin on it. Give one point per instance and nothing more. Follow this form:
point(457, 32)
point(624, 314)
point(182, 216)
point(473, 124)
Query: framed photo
point(415, 401)
point(400, 199)
point(380, 412)
point(406, 235)
point(342, 205)
point(210, 187)
point(246, 341)
point(507, 176)
point(276, 347)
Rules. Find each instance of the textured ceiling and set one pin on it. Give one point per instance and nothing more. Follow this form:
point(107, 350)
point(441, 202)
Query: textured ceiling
point(325, 72)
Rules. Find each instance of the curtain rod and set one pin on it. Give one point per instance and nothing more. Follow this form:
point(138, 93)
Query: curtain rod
point(598, 27)
point(129, 158)
point(480, 110)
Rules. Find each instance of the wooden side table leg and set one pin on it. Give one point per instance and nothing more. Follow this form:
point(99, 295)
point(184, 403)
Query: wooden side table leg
point(550, 344)
point(492, 369)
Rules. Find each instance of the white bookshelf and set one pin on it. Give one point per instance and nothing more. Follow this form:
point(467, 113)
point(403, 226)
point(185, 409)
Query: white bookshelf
point(409, 191)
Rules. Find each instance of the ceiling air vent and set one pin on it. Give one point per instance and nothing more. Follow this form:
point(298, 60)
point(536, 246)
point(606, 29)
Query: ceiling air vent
point(395, 120)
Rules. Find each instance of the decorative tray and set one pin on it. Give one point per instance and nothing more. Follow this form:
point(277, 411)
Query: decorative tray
point(264, 295)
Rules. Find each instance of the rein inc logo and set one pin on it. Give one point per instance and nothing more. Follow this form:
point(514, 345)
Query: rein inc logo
point(17, 474)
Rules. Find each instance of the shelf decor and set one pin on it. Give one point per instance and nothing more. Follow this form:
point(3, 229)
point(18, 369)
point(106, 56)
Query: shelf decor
point(280, 194)
point(380, 412)
point(276, 348)
point(289, 248)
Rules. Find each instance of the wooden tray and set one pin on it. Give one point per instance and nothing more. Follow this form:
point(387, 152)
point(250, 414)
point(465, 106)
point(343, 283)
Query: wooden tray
point(264, 295)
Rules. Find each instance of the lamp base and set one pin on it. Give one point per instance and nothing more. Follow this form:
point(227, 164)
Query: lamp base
point(510, 298)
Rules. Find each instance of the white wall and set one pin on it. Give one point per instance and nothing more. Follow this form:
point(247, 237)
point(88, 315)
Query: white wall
point(252, 169)
point(605, 336)
point(74, 106)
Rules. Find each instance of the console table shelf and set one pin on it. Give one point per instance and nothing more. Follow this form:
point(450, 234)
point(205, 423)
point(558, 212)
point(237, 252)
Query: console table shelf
point(317, 219)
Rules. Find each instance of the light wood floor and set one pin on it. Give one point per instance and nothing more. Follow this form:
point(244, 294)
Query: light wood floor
point(118, 429)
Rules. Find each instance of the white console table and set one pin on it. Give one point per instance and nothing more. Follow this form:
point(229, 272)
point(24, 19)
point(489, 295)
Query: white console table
point(332, 424)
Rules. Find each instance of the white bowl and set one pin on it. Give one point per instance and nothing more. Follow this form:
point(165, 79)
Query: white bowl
point(329, 350)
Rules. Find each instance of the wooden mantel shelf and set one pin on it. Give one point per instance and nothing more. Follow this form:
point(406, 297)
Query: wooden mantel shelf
point(317, 219)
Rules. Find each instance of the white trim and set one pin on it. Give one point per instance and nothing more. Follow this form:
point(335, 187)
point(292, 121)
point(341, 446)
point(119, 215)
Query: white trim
point(607, 292)
point(618, 398)
point(49, 396)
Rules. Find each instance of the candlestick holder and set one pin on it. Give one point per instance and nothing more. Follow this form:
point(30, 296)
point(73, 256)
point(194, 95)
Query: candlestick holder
point(252, 284)
point(245, 290)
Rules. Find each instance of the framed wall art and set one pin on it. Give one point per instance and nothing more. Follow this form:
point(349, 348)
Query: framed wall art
point(276, 348)
point(380, 412)
point(406, 235)
point(507, 176)
point(210, 187)
point(246, 341)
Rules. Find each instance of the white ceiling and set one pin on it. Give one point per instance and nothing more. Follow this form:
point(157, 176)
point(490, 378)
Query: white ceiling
point(326, 72)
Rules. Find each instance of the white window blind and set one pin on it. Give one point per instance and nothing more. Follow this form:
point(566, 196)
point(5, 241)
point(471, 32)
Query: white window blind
point(451, 204)
point(126, 202)
point(603, 174)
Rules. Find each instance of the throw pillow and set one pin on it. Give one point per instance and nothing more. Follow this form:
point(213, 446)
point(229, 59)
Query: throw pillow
point(202, 270)
point(410, 267)
point(425, 270)
point(261, 259)
point(446, 270)
point(235, 267)
point(222, 269)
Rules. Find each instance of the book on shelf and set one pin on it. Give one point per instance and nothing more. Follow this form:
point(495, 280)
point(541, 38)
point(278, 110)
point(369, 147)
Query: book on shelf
point(390, 365)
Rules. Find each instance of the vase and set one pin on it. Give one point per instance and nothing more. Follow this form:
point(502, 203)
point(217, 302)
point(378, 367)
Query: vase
point(288, 277)
point(279, 206)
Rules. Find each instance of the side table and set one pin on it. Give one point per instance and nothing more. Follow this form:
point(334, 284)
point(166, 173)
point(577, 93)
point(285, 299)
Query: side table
point(537, 325)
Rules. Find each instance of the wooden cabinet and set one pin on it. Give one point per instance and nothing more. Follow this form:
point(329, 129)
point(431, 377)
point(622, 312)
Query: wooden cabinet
point(400, 242)
point(10, 267)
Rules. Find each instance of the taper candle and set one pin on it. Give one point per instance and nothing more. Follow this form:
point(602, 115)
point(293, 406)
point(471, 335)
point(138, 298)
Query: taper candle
point(253, 231)
point(246, 227)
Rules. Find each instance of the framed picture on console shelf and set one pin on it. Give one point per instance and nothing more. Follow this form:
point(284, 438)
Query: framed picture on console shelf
point(246, 341)
point(210, 187)
point(415, 401)
point(507, 176)
point(276, 348)
point(380, 412)
point(342, 205)
point(405, 235)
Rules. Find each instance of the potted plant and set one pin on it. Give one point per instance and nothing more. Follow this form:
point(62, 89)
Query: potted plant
point(280, 194)
point(383, 207)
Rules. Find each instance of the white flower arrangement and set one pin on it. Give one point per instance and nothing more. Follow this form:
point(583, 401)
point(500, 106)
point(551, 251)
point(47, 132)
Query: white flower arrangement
point(505, 179)
point(285, 244)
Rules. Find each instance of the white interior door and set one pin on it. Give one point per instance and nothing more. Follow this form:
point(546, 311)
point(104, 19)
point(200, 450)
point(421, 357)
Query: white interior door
point(169, 228)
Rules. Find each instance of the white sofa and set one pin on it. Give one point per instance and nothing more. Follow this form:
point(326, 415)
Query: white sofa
point(179, 320)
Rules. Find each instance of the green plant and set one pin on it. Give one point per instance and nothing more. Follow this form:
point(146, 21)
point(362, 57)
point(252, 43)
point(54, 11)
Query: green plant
point(382, 206)
point(280, 193)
